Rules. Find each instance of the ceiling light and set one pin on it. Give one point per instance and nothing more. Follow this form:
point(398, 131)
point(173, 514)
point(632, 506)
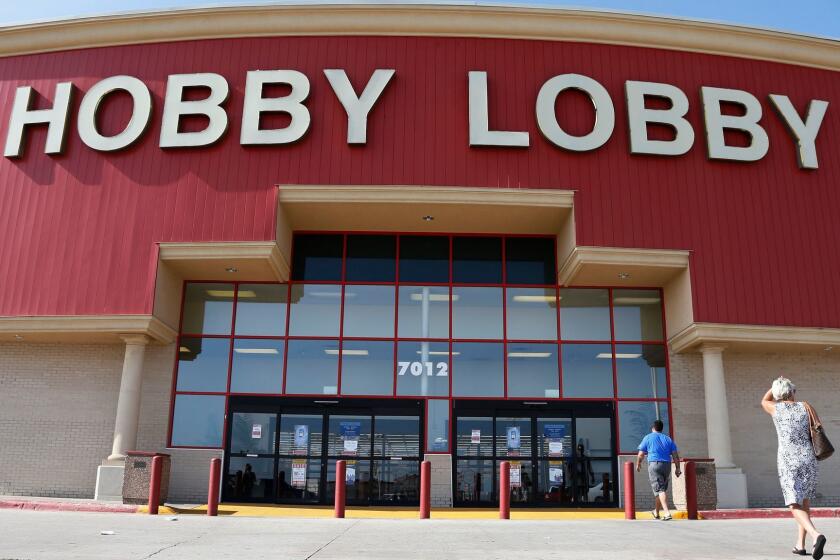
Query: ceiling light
point(534, 299)
point(428, 218)
point(438, 353)
point(231, 269)
point(184, 349)
point(827, 348)
point(256, 350)
point(229, 293)
point(18, 337)
point(345, 352)
point(623, 275)
point(325, 294)
point(620, 356)
point(434, 297)
point(529, 354)
point(635, 300)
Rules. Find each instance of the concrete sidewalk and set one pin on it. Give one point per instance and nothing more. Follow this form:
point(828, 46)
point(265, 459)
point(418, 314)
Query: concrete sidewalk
point(28, 535)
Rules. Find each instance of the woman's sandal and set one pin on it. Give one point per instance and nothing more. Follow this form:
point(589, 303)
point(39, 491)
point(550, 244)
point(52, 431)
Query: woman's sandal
point(819, 544)
point(800, 551)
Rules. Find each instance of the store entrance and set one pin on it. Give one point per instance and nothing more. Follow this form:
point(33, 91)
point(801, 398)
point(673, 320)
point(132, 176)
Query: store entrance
point(285, 450)
point(562, 454)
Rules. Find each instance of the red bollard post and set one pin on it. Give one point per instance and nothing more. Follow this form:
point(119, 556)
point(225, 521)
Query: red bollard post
point(340, 487)
point(504, 490)
point(425, 489)
point(154, 485)
point(213, 486)
point(691, 489)
point(629, 491)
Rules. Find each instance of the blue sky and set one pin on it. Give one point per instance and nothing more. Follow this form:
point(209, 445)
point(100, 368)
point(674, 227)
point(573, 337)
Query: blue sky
point(812, 17)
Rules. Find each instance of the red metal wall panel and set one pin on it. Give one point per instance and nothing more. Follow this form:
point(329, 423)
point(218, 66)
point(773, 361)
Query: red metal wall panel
point(77, 231)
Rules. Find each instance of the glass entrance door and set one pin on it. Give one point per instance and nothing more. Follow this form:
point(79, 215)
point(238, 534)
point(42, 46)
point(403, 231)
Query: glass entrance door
point(560, 455)
point(296, 463)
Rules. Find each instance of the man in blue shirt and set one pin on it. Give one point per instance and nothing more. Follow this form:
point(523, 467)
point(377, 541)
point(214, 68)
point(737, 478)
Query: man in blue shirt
point(659, 449)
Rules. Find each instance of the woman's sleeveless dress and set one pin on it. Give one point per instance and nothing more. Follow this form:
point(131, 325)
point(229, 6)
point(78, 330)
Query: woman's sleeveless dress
point(796, 461)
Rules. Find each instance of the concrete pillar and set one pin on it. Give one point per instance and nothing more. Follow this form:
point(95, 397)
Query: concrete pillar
point(128, 403)
point(731, 481)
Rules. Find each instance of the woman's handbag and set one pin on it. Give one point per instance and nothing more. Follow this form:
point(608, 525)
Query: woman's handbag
point(822, 447)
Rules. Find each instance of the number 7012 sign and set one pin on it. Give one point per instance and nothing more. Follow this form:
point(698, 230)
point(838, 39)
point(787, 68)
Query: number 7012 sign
point(436, 369)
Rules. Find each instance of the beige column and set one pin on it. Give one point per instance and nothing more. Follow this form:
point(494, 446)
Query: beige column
point(128, 404)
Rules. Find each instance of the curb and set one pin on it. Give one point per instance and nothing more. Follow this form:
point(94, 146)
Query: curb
point(66, 506)
point(765, 513)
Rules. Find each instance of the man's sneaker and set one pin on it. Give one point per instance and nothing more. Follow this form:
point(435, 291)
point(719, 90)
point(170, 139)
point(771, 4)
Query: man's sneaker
point(667, 518)
point(655, 514)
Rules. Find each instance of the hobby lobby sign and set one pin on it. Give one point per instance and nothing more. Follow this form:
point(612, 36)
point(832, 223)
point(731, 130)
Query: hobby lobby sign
point(803, 128)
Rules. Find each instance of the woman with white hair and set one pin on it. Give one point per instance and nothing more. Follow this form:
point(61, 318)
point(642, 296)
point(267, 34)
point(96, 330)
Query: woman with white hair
point(796, 460)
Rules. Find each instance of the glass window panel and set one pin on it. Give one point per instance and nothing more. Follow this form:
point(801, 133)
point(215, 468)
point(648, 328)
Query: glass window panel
point(261, 309)
point(208, 308)
point(203, 364)
point(315, 310)
point(253, 432)
point(584, 314)
point(587, 370)
point(524, 492)
point(197, 420)
point(475, 436)
point(369, 311)
point(423, 312)
point(635, 419)
point(478, 369)
point(301, 434)
point(641, 371)
point(477, 260)
point(555, 437)
point(357, 481)
point(250, 478)
point(312, 367)
point(367, 367)
point(595, 434)
point(349, 435)
point(638, 315)
point(396, 436)
point(532, 370)
point(513, 437)
point(317, 257)
point(474, 481)
point(309, 490)
point(554, 482)
point(371, 258)
point(437, 425)
point(257, 366)
point(530, 260)
point(602, 489)
point(477, 313)
point(531, 313)
point(396, 482)
point(423, 369)
point(424, 258)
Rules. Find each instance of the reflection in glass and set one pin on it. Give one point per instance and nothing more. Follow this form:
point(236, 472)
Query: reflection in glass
point(423, 369)
point(478, 369)
point(367, 367)
point(317, 257)
point(203, 364)
point(554, 482)
point(600, 487)
point(315, 310)
point(369, 311)
point(300, 434)
point(474, 481)
point(477, 313)
point(423, 312)
point(555, 437)
point(638, 315)
point(584, 314)
point(437, 425)
point(530, 260)
point(208, 308)
point(261, 309)
point(197, 420)
point(357, 482)
point(587, 370)
point(257, 366)
point(397, 436)
point(641, 371)
point(513, 437)
point(595, 434)
point(349, 436)
point(532, 370)
point(312, 367)
point(531, 313)
point(523, 492)
point(424, 258)
point(371, 258)
point(477, 260)
point(635, 419)
point(305, 490)
point(475, 436)
point(252, 432)
point(396, 482)
point(250, 478)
